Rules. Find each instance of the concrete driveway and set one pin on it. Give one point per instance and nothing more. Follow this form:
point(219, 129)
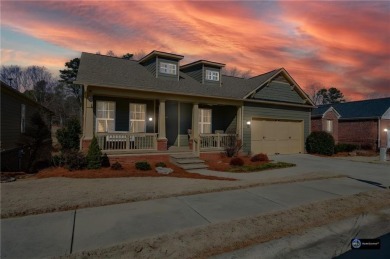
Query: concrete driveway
point(374, 173)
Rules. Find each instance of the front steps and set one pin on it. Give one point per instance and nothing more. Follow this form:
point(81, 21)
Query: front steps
point(188, 161)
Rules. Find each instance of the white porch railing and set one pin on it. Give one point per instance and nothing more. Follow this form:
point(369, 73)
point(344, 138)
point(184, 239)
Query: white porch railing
point(127, 141)
point(214, 141)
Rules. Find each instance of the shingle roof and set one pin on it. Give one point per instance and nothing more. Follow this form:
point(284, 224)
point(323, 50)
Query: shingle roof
point(116, 72)
point(372, 108)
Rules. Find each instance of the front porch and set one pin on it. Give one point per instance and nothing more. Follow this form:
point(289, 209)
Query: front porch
point(136, 123)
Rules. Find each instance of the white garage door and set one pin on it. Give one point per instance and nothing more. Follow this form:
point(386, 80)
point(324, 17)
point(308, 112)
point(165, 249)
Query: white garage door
point(277, 136)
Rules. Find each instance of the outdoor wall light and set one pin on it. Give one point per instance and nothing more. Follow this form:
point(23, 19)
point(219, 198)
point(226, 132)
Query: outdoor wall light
point(90, 98)
point(150, 119)
point(385, 130)
point(248, 123)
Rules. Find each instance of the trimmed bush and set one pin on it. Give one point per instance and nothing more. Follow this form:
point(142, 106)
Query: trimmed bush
point(342, 147)
point(143, 165)
point(259, 157)
point(94, 155)
point(75, 160)
point(320, 142)
point(105, 161)
point(236, 161)
point(116, 166)
point(160, 164)
point(58, 160)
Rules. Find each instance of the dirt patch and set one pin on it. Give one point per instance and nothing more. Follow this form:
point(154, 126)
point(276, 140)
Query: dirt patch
point(213, 239)
point(129, 170)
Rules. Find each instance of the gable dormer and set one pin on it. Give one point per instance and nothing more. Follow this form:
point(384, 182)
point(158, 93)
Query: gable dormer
point(162, 64)
point(204, 71)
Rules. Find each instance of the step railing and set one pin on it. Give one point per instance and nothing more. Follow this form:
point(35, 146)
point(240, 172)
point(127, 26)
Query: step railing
point(127, 141)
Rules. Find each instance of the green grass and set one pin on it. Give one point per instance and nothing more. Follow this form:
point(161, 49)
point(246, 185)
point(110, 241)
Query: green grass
point(262, 167)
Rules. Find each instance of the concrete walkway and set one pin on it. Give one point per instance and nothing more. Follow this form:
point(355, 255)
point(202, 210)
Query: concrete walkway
point(62, 233)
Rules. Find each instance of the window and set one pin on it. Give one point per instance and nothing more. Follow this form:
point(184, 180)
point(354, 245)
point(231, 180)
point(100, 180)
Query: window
point(137, 117)
point(168, 68)
point(212, 75)
point(329, 126)
point(105, 116)
point(205, 120)
point(23, 118)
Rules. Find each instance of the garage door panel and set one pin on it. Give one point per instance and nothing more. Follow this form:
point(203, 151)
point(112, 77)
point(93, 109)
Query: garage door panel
point(276, 136)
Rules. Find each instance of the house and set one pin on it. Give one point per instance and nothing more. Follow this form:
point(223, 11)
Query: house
point(365, 123)
point(16, 112)
point(157, 104)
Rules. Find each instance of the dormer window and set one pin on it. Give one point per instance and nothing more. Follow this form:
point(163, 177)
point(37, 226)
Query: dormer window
point(168, 68)
point(212, 75)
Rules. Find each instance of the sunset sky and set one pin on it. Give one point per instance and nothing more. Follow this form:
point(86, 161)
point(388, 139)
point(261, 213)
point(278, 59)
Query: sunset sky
point(344, 44)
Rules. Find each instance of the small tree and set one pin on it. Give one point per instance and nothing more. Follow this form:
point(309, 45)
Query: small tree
point(231, 145)
point(69, 137)
point(94, 156)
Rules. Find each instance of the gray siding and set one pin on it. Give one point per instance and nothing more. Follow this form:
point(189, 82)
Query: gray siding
point(150, 65)
point(195, 72)
point(162, 75)
point(122, 112)
point(278, 91)
point(252, 110)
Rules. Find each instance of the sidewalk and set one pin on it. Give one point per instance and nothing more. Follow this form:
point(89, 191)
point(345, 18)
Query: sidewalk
point(62, 233)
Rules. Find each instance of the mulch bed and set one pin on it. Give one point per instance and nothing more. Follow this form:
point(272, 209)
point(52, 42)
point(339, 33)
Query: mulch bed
point(220, 162)
point(128, 170)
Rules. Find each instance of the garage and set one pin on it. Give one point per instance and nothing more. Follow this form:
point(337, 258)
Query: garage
point(272, 136)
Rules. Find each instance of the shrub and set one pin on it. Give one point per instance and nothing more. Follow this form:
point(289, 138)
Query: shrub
point(69, 137)
point(94, 155)
point(320, 142)
point(143, 165)
point(105, 161)
point(58, 160)
point(236, 161)
point(75, 160)
point(259, 157)
point(231, 146)
point(342, 147)
point(116, 166)
point(160, 164)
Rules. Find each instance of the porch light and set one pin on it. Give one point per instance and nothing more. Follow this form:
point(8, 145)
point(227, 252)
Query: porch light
point(150, 119)
point(248, 123)
point(385, 130)
point(90, 98)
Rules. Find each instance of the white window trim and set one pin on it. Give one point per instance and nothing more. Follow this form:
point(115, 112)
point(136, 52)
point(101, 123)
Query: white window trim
point(106, 119)
point(168, 68)
point(329, 126)
point(22, 118)
point(212, 75)
point(202, 122)
point(131, 130)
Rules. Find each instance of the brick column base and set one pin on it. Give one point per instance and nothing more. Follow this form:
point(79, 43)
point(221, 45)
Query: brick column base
point(85, 144)
point(162, 144)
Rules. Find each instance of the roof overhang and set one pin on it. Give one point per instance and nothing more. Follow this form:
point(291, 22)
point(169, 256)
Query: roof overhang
point(155, 53)
point(204, 62)
point(292, 82)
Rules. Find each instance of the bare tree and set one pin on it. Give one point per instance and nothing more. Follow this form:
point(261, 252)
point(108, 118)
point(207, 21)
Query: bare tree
point(11, 75)
point(234, 71)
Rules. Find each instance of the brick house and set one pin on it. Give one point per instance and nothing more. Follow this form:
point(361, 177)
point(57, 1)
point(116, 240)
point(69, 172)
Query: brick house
point(365, 123)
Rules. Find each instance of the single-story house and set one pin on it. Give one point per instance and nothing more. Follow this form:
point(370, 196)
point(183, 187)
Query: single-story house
point(157, 104)
point(16, 112)
point(365, 123)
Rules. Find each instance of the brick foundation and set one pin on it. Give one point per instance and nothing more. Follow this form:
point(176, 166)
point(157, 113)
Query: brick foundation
point(162, 144)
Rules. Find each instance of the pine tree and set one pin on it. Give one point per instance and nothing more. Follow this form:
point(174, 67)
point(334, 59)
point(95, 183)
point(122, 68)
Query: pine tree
point(94, 155)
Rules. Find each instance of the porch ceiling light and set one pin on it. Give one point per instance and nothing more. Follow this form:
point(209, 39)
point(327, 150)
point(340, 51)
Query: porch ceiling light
point(150, 119)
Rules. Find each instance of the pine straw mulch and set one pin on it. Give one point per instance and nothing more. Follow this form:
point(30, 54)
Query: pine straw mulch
point(220, 162)
point(129, 170)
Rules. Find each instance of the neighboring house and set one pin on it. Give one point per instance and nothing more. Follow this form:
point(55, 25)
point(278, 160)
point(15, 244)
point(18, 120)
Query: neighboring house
point(365, 123)
point(16, 112)
point(157, 104)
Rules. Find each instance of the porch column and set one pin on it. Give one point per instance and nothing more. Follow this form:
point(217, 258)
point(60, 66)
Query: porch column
point(162, 138)
point(87, 120)
point(195, 128)
point(239, 122)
